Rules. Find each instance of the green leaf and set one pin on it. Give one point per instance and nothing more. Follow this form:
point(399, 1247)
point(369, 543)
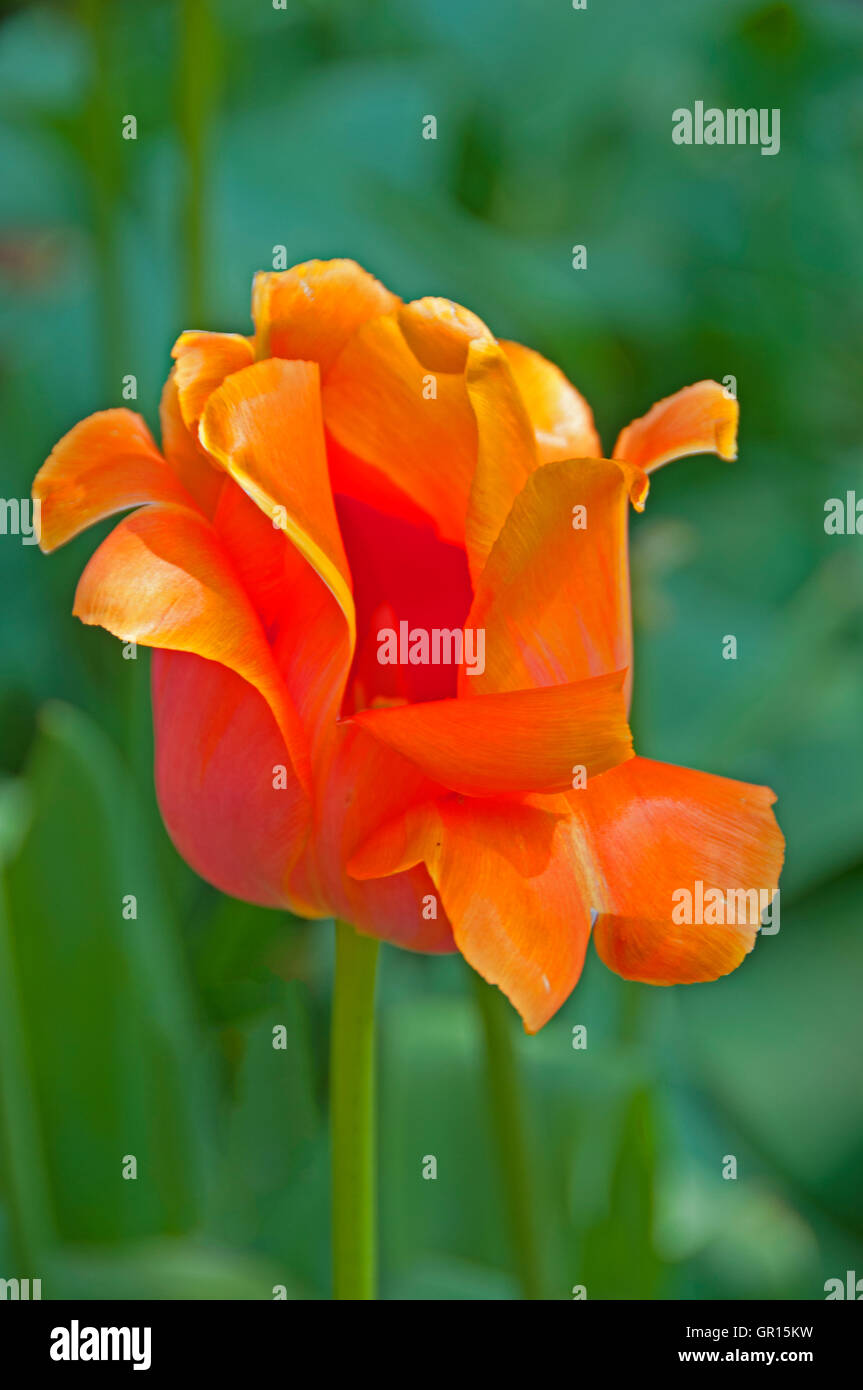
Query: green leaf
point(102, 1024)
point(161, 1269)
point(618, 1258)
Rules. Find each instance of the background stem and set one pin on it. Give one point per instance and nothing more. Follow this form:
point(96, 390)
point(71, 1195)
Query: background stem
point(352, 1116)
point(509, 1120)
point(104, 150)
point(196, 100)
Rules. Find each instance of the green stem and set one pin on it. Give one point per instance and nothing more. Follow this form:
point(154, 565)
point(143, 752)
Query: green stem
point(509, 1120)
point(196, 97)
point(352, 1115)
point(105, 170)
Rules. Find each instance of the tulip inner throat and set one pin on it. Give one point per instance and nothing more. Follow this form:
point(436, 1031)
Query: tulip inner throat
point(415, 588)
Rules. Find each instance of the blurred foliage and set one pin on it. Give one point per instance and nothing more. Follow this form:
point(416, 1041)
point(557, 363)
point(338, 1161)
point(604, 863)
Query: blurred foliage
point(153, 1036)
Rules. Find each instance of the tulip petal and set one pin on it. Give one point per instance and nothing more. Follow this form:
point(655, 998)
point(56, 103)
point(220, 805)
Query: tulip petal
point(182, 449)
point(514, 742)
point(378, 405)
point(305, 628)
point(506, 449)
point(440, 332)
point(162, 578)
point(511, 886)
point(654, 830)
point(402, 573)
point(553, 598)
point(700, 419)
point(104, 465)
point(203, 361)
point(354, 478)
point(263, 425)
point(311, 310)
point(228, 797)
point(561, 418)
point(361, 785)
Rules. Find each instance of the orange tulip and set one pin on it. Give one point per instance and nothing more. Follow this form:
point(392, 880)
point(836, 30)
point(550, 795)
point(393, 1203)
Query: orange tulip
point(364, 466)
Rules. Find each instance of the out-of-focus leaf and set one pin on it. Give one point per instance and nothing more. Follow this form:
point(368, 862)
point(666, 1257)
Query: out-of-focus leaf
point(619, 1259)
point(272, 1188)
point(779, 1044)
point(231, 947)
point(104, 1017)
point(161, 1269)
point(429, 1280)
point(26, 1183)
point(434, 1105)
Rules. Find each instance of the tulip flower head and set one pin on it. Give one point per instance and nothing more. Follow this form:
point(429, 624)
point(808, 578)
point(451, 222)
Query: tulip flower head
point(383, 565)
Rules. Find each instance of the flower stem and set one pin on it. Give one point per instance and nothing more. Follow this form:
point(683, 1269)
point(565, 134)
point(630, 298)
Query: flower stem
point(509, 1121)
point(352, 1115)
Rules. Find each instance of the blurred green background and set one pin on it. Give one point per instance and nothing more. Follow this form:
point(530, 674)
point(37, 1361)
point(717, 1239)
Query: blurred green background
point(153, 1037)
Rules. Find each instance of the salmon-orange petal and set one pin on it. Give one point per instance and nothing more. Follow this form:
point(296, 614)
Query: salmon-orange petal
point(670, 844)
point(414, 425)
point(203, 361)
point(440, 332)
point(553, 598)
point(226, 790)
point(506, 449)
point(162, 578)
point(512, 742)
point(362, 784)
point(561, 418)
point(263, 426)
point(700, 419)
point(355, 478)
point(104, 465)
point(511, 885)
point(305, 628)
point(310, 311)
point(183, 452)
